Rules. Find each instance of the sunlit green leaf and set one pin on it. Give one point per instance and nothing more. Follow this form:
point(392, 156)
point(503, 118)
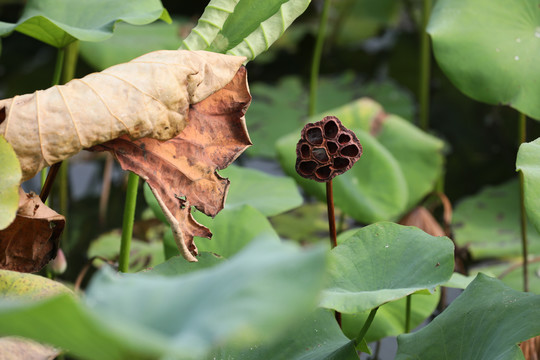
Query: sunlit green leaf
point(60, 22)
point(16, 286)
point(384, 262)
point(243, 27)
point(489, 50)
point(10, 177)
point(527, 163)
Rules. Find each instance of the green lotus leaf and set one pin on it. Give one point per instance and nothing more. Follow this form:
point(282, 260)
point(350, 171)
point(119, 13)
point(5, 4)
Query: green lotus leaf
point(248, 299)
point(243, 27)
point(489, 50)
point(527, 163)
point(488, 223)
point(60, 22)
point(487, 321)
point(384, 262)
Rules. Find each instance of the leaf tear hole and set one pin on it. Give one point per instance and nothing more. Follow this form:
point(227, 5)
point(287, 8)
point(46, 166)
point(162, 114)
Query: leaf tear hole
point(314, 136)
point(304, 151)
point(320, 155)
point(341, 163)
point(323, 172)
point(332, 147)
point(350, 151)
point(344, 138)
point(2, 114)
point(330, 129)
point(307, 167)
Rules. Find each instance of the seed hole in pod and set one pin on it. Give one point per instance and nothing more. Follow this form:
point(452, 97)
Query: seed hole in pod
point(323, 172)
point(344, 138)
point(320, 155)
point(332, 147)
point(314, 136)
point(350, 150)
point(304, 151)
point(340, 163)
point(330, 129)
point(307, 167)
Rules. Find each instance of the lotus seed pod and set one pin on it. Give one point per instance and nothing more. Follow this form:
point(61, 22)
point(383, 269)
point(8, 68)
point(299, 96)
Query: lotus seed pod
point(326, 149)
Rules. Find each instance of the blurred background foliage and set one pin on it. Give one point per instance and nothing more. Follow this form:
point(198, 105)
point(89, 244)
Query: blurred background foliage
point(371, 49)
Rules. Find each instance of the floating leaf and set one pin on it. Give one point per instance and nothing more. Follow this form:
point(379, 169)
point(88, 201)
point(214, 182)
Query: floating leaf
point(317, 337)
point(182, 171)
point(269, 194)
point(486, 321)
point(494, 39)
point(247, 299)
point(527, 163)
point(243, 27)
point(32, 239)
point(488, 223)
point(147, 97)
point(10, 177)
point(384, 262)
point(511, 274)
point(60, 22)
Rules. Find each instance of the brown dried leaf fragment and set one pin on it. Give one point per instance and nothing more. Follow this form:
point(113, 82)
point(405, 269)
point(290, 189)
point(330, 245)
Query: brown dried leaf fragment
point(182, 171)
point(149, 96)
point(31, 240)
point(326, 149)
point(422, 219)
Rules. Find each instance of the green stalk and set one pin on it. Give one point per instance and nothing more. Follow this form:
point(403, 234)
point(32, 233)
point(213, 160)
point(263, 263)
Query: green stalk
point(129, 218)
point(316, 61)
point(68, 73)
point(425, 67)
point(408, 314)
point(523, 213)
point(55, 81)
point(366, 326)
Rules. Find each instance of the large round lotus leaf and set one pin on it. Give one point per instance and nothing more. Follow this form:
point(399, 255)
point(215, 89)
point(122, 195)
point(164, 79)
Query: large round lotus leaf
point(390, 318)
point(373, 189)
point(489, 50)
point(527, 162)
point(10, 177)
point(487, 321)
point(317, 337)
point(60, 22)
point(384, 262)
point(488, 223)
point(251, 298)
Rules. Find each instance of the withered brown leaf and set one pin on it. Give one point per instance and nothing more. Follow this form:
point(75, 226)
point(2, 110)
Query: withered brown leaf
point(182, 171)
point(32, 238)
point(149, 96)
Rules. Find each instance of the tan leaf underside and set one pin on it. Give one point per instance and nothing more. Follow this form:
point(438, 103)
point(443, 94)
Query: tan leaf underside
point(182, 171)
point(149, 96)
